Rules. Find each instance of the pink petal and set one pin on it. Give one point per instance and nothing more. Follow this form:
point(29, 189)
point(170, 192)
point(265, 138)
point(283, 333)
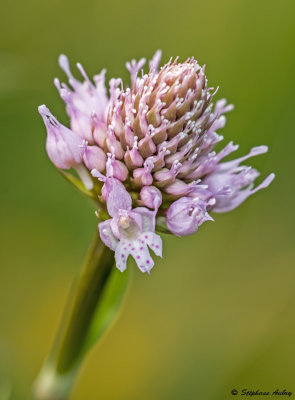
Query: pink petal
point(148, 218)
point(107, 235)
point(118, 198)
point(229, 204)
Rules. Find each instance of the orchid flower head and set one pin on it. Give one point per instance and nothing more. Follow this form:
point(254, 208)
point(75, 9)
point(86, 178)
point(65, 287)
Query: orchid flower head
point(153, 145)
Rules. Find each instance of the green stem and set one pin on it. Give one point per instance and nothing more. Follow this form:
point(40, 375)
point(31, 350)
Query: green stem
point(57, 376)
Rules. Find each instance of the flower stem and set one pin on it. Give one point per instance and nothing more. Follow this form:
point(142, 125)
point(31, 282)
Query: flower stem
point(56, 378)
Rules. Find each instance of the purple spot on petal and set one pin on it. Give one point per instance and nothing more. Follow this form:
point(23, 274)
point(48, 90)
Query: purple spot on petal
point(147, 261)
point(125, 248)
point(133, 248)
point(138, 257)
point(157, 247)
point(146, 236)
point(141, 248)
point(129, 244)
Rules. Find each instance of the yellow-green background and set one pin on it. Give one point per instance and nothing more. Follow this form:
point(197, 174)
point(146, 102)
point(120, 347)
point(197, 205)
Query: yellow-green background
point(217, 312)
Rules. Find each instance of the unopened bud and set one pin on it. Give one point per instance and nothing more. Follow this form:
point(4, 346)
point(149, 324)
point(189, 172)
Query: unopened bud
point(64, 147)
point(185, 215)
point(94, 158)
point(150, 197)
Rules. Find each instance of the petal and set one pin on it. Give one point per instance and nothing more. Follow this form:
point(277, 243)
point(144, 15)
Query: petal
point(228, 204)
point(228, 149)
point(94, 158)
point(137, 218)
point(155, 61)
point(85, 98)
point(121, 255)
point(114, 227)
point(141, 255)
point(118, 198)
point(133, 67)
point(98, 175)
point(255, 151)
point(107, 235)
point(148, 218)
point(154, 241)
point(139, 251)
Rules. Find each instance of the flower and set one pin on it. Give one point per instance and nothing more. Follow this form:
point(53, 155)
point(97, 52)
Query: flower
point(231, 184)
point(151, 197)
point(87, 104)
point(186, 214)
point(63, 146)
point(129, 231)
point(152, 145)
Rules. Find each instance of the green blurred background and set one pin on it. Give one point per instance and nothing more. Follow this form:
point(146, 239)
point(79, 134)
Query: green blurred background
point(217, 312)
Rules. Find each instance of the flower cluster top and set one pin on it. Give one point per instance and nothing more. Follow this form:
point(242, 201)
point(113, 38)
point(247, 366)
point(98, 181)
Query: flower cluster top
point(146, 152)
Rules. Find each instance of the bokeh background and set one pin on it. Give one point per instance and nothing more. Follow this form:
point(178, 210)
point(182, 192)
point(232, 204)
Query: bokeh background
point(217, 313)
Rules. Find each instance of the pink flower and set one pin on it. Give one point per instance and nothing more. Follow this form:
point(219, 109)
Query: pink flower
point(231, 184)
point(87, 103)
point(64, 147)
point(151, 197)
point(185, 215)
point(129, 231)
point(153, 145)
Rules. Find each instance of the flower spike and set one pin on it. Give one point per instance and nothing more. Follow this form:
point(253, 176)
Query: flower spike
point(153, 145)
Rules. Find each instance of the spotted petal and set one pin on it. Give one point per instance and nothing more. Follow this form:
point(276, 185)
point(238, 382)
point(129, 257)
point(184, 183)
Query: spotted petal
point(139, 251)
point(154, 241)
point(121, 255)
point(141, 255)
